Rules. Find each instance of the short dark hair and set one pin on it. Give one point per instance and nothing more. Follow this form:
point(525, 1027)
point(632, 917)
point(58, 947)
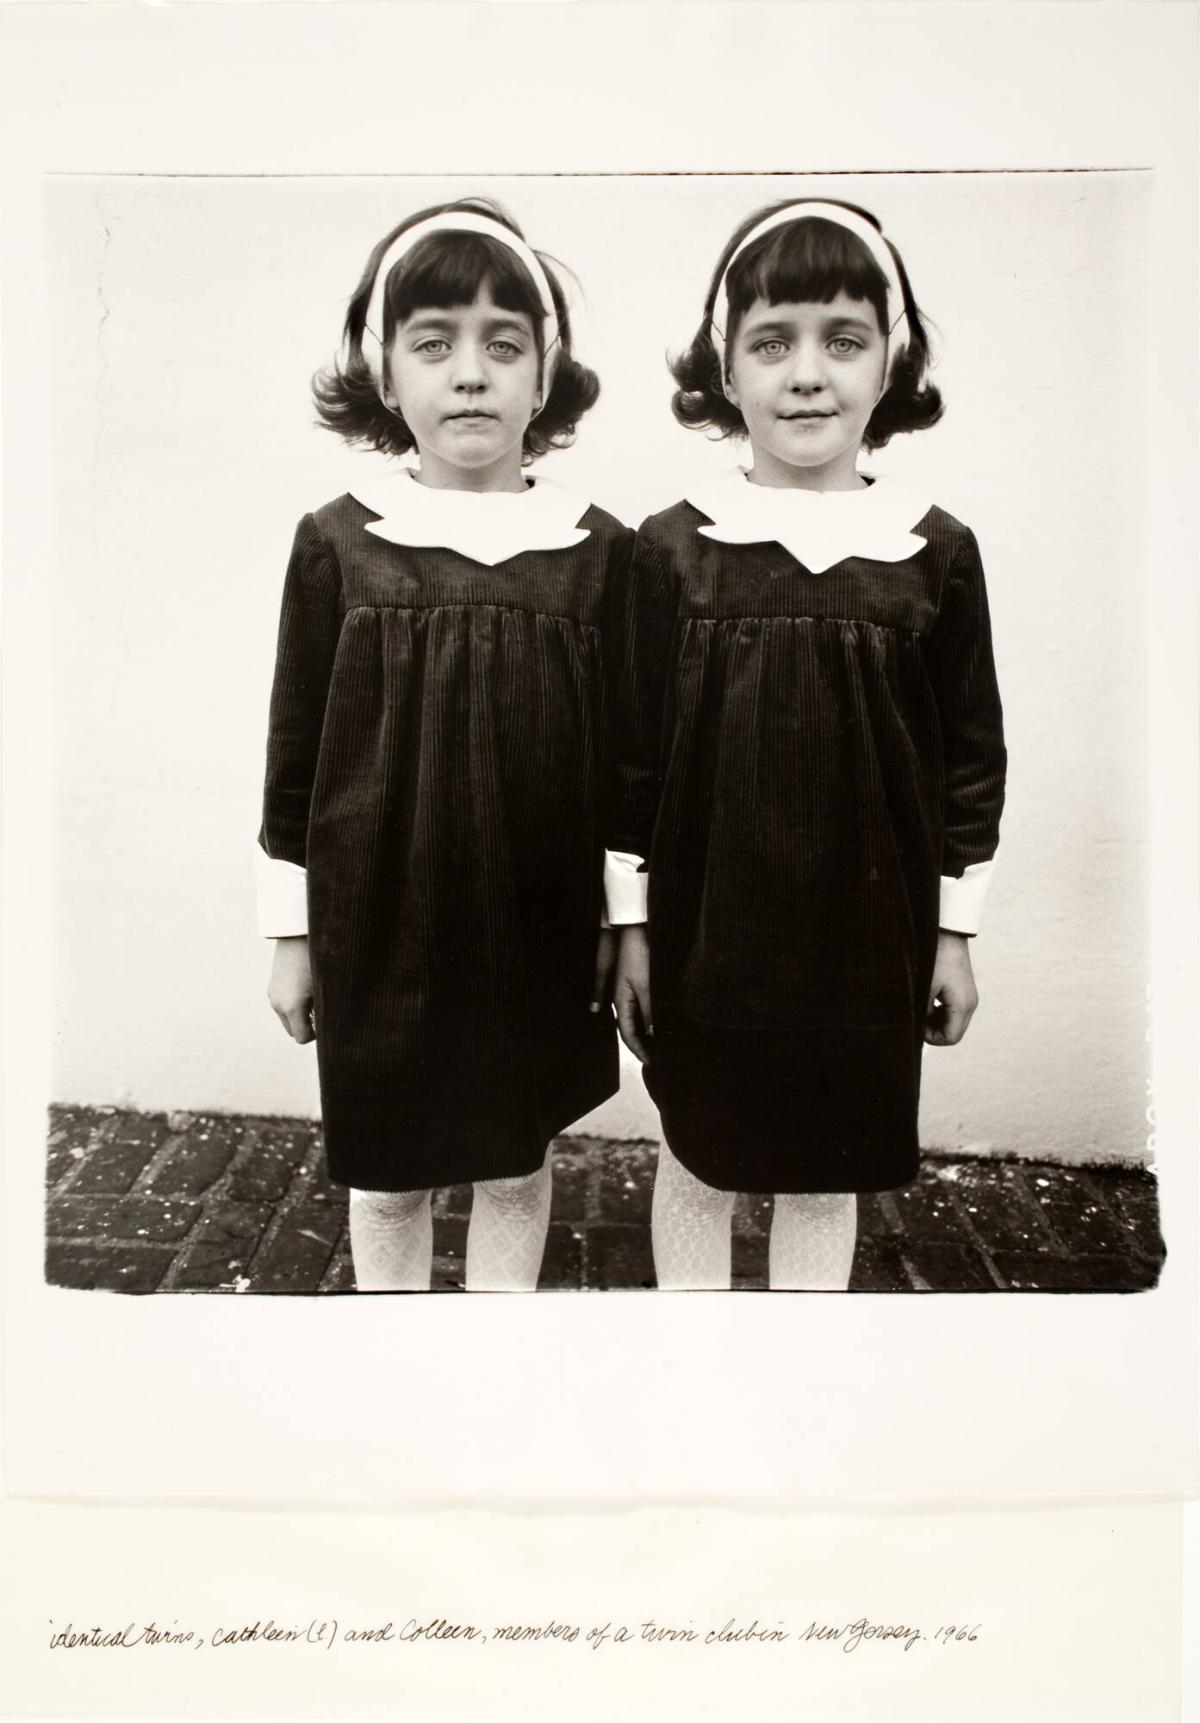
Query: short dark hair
point(444, 270)
point(808, 260)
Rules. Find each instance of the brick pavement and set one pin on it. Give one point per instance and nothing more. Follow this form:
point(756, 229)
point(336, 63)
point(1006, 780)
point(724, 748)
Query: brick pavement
point(188, 1202)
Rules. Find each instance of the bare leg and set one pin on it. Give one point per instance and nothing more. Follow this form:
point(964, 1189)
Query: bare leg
point(391, 1240)
point(506, 1239)
point(690, 1226)
point(812, 1241)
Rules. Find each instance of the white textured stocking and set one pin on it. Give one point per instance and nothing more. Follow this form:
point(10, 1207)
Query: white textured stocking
point(391, 1240)
point(507, 1235)
point(812, 1241)
point(690, 1228)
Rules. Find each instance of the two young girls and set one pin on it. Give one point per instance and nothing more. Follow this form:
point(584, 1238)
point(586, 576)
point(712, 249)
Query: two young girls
point(806, 750)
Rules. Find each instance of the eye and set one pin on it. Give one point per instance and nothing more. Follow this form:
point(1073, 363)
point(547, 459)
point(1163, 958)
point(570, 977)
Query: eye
point(434, 345)
point(844, 345)
point(771, 347)
point(506, 349)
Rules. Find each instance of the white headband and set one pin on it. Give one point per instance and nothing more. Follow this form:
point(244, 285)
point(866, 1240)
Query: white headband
point(456, 221)
point(898, 334)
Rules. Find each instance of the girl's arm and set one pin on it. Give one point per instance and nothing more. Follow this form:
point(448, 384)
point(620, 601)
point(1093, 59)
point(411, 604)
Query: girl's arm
point(309, 627)
point(647, 603)
point(963, 673)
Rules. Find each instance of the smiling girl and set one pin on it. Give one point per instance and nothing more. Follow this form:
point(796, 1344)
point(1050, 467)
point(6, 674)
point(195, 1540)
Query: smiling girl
point(813, 761)
point(430, 859)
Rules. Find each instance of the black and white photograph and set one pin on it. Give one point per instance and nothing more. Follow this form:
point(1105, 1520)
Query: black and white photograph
point(712, 722)
point(600, 698)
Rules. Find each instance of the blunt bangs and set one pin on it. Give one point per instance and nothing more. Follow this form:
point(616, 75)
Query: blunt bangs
point(806, 262)
point(449, 269)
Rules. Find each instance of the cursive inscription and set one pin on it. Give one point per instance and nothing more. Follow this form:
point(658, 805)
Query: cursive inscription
point(326, 1633)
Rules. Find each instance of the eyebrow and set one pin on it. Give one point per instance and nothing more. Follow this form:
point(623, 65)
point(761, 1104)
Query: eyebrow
point(784, 324)
point(447, 320)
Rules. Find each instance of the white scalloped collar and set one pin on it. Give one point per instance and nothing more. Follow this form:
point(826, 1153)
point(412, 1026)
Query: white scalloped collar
point(818, 528)
point(487, 526)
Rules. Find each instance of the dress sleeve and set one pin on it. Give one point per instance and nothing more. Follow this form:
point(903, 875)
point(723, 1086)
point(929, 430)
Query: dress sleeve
point(309, 627)
point(644, 627)
point(963, 674)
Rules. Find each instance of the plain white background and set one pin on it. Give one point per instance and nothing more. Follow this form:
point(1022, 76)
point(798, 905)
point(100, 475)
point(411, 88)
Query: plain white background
point(190, 315)
point(240, 1400)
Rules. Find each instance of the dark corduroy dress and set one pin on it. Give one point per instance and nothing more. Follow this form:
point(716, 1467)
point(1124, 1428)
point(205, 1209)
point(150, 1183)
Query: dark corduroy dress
point(802, 757)
point(435, 761)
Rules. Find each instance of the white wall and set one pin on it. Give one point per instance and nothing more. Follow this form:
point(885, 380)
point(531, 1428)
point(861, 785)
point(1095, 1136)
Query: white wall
point(189, 315)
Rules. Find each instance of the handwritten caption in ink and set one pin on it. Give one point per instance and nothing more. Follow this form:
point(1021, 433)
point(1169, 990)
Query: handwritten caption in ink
point(849, 1636)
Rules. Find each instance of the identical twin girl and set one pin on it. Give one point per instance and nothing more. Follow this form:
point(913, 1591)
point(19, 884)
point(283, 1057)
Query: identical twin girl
point(752, 760)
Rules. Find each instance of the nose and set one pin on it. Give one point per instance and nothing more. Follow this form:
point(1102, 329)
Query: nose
point(806, 372)
point(470, 372)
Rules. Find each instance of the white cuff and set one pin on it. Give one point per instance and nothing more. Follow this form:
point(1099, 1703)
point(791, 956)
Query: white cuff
point(281, 889)
point(962, 900)
point(624, 888)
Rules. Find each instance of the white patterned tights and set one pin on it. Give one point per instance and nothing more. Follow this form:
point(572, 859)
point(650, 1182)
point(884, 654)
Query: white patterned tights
point(391, 1236)
point(812, 1235)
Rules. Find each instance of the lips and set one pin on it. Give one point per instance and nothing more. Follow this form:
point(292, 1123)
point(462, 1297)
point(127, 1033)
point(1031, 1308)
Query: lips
point(473, 417)
point(802, 416)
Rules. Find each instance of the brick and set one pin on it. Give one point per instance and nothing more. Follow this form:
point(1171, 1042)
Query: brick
point(752, 1216)
point(749, 1261)
point(71, 1117)
point(997, 1203)
point(947, 1267)
point(221, 1248)
point(449, 1252)
point(196, 1158)
point(314, 1183)
point(872, 1221)
point(155, 1219)
point(878, 1267)
point(1133, 1199)
point(454, 1201)
point(339, 1276)
point(298, 1255)
point(925, 1210)
point(1074, 1274)
point(562, 1265)
point(619, 1257)
point(96, 1268)
point(1082, 1225)
point(573, 1177)
point(267, 1162)
point(71, 1130)
point(117, 1152)
point(626, 1178)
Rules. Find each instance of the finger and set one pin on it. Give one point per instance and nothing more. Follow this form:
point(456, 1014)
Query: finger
point(629, 1024)
point(602, 980)
point(961, 1013)
point(301, 1024)
point(950, 1019)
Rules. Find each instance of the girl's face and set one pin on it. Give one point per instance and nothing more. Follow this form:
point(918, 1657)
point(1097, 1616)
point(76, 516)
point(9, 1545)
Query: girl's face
point(466, 381)
point(807, 377)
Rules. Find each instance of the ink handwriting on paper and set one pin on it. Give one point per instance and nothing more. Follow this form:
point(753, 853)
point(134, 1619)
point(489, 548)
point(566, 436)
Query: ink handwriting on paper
point(860, 1634)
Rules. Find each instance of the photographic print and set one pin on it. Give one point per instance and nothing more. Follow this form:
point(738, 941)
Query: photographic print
point(788, 692)
point(392, 600)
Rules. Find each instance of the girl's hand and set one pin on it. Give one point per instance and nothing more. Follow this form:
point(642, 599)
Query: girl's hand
point(952, 994)
point(290, 988)
point(631, 990)
point(606, 957)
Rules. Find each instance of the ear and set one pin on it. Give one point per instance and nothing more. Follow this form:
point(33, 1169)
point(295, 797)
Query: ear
point(728, 390)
